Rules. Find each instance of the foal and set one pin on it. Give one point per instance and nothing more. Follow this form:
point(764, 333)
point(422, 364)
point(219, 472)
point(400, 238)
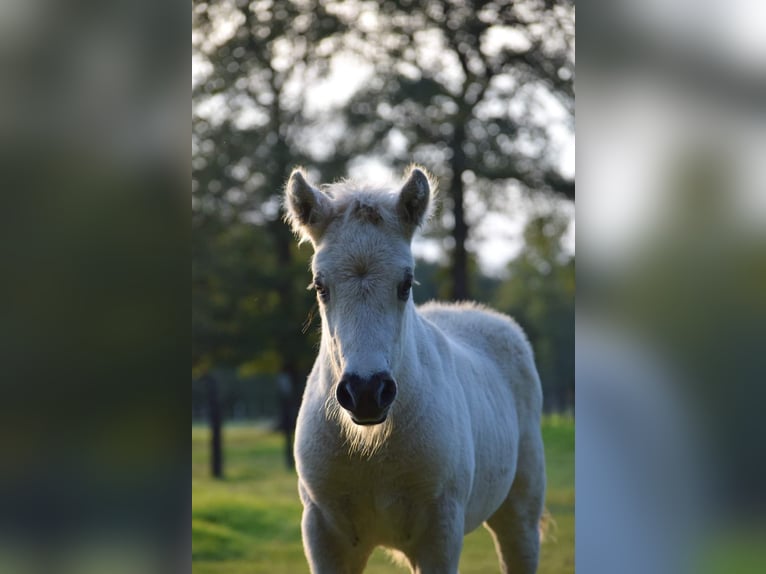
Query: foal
point(417, 424)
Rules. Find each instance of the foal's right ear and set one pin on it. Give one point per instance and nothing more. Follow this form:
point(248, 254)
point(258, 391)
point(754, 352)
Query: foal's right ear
point(308, 209)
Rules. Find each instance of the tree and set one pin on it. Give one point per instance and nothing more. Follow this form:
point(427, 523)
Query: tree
point(468, 89)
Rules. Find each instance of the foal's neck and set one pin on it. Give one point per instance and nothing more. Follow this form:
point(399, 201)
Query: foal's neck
point(408, 340)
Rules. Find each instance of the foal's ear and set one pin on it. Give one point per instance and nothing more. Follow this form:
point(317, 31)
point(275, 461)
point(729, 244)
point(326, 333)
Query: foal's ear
point(414, 199)
point(307, 208)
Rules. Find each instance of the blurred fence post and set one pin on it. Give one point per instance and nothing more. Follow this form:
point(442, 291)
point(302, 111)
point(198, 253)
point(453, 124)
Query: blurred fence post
point(287, 414)
point(214, 412)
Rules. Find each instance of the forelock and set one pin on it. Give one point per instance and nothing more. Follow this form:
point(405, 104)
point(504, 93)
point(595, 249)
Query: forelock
point(363, 203)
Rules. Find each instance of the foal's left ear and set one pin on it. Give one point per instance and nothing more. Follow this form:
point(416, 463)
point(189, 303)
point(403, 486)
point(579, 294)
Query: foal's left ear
point(414, 200)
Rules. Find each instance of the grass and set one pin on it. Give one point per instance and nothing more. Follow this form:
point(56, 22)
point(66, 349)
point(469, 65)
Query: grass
point(250, 522)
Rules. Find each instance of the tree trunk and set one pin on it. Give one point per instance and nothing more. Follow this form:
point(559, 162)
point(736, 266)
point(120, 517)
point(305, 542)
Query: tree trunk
point(214, 412)
point(283, 240)
point(460, 229)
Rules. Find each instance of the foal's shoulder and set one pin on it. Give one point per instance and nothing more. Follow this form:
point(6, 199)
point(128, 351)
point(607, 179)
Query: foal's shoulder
point(478, 327)
point(472, 319)
point(463, 311)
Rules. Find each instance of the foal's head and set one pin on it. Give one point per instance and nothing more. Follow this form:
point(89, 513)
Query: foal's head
point(363, 274)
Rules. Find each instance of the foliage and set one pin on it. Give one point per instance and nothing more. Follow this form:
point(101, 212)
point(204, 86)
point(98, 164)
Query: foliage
point(540, 294)
point(240, 316)
point(250, 522)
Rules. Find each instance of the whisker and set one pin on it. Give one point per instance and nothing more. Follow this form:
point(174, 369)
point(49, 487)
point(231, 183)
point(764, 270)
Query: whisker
point(309, 319)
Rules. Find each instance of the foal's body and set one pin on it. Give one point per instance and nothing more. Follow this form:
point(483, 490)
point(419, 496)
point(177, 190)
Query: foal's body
point(460, 445)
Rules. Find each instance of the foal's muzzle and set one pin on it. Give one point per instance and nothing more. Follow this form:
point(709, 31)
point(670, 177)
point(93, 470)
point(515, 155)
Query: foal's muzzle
point(366, 400)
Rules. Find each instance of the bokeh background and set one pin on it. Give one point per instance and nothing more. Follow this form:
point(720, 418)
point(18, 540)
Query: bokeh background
point(94, 297)
point(671, 295)
point(479, 93)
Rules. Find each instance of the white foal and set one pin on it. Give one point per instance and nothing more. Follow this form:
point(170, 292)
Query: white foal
point(417, 424)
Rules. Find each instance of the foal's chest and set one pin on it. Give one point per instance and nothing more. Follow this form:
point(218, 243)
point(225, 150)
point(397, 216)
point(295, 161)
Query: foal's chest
point(373, 502)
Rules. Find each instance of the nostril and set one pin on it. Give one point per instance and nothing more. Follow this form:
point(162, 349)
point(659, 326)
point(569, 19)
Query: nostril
point(344, 396)
point(387, 393)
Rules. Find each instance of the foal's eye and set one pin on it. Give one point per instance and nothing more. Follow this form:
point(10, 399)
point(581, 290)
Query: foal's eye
point(403, 289)
point(321, 289)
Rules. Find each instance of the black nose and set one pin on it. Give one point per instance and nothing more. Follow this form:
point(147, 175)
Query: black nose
point(366, 400)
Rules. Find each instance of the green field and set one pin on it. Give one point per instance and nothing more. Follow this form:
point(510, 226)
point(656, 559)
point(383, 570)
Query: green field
point(250, 522)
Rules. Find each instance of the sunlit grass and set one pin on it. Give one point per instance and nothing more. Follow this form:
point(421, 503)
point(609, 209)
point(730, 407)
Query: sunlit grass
point(250, 522)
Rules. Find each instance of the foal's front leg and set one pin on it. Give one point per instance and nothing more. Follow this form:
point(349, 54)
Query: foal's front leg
point(328, 550)
point(437, 549)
